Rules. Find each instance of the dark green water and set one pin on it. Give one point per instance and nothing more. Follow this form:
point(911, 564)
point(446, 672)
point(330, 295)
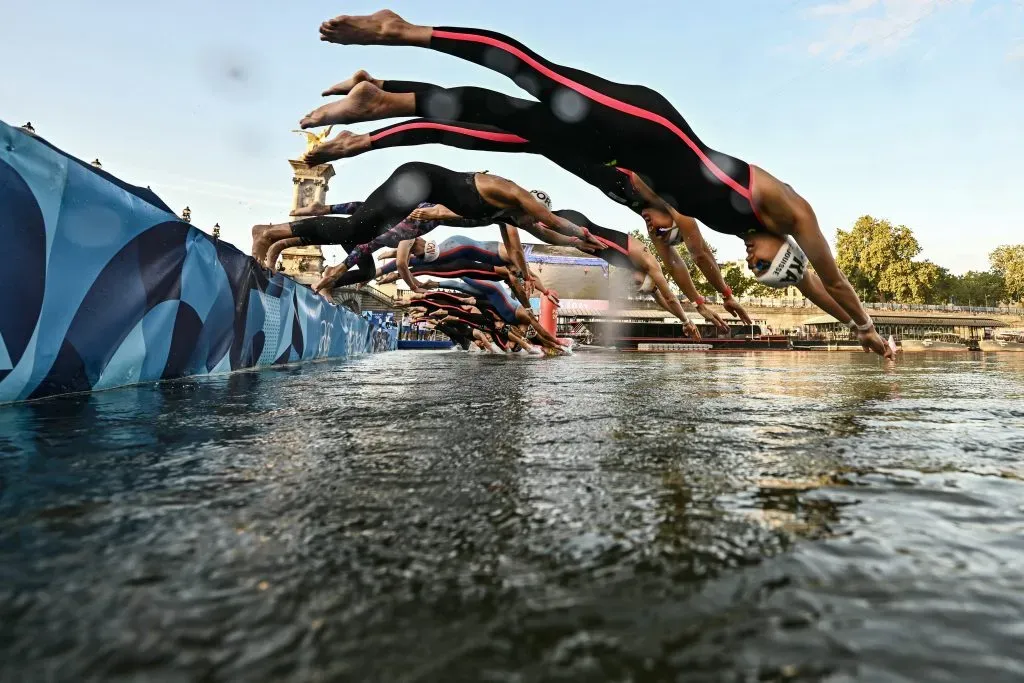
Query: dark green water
point(438, 517)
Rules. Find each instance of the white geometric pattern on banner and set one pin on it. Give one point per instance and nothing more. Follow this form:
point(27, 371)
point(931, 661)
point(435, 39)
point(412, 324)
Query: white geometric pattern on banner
point(271, 327)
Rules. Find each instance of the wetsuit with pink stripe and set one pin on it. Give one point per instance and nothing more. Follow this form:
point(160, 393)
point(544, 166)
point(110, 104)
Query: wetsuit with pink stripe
point(615, 124)
point(459, 268)
point(614, 181)
point(456, 248)
point(410, 186)
point(483, 318)
point(616, 251)
point(494, 293)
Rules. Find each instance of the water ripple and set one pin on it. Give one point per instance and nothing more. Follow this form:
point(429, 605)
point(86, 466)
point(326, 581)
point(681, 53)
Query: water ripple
point(421, 517)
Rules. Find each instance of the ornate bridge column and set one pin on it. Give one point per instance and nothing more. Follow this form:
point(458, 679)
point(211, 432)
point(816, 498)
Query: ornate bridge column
point(309, 185)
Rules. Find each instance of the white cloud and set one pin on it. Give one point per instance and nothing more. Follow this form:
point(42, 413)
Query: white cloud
point(1016, 52)
point(858, 29)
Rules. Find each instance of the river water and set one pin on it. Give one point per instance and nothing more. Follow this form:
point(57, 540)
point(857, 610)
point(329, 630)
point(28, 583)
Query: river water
point(423, 516)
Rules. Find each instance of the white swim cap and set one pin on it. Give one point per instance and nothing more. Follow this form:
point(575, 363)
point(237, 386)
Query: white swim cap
point(788, 267)
point(542, 197)
point(430, 252)
point(647, 286)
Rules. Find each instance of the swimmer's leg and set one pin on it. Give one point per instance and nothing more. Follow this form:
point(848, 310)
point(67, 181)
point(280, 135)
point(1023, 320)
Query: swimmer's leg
point(274, 253)
point(263, 236)
point(639, 120)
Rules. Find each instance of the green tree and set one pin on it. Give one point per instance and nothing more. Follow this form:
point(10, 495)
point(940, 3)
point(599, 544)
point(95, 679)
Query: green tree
point(737, 277)
point(878, 259)
point(944, 288)
point(978, 289)
point(1008, 263)
point(699, 281)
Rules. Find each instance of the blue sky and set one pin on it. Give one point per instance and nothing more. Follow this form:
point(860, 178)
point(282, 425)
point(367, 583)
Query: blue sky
point(905, 109)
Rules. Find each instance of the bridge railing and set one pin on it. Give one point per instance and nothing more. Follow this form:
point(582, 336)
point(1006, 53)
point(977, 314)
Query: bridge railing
point(772, 302)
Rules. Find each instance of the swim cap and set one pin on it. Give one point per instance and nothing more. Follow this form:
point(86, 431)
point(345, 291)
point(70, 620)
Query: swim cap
point(788, 266)
point(542, 197)
point(647, 286)
point(430, 252)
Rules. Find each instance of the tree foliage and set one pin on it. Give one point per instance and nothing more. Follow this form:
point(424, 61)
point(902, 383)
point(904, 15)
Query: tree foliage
point(1008, 263)
point(878, 258)
point(737, 277)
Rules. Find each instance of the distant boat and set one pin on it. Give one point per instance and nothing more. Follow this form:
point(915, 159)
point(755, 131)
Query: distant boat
point(939, 341)
point(1004, 340)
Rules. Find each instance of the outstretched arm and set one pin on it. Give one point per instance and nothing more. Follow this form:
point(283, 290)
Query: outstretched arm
point(529, 204)
point(514, 247)
point(812, 287)
point(678, 270)
point(546, 234)
point(786, 212)
point(542, 288)
point(667, 300)
point(808, 235)
point(681, 274)
point(705, 261)
point(402, 263)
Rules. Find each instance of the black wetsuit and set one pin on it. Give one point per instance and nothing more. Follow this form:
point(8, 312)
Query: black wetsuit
point(460, 333)
point(616, 251)
point(613, 124)
point(410, 185)
point(458, 268)
point(485, 320)
point(615, 181)
point(342, 232)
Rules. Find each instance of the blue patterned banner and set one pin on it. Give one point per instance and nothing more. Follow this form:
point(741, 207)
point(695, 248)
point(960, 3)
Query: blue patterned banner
point(103, 286)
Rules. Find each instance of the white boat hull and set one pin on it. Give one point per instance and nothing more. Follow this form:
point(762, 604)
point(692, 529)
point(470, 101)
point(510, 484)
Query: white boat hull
point(915, 345)
point(995, 345)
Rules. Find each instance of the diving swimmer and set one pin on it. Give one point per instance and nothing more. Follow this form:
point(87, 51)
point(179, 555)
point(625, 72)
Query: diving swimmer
point(638, 129)
point(471, 195)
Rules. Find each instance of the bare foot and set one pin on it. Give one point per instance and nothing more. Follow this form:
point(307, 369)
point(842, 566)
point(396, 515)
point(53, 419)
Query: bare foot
point(346, 85)
point(315, 209)
point(366, 102)
point(380, 28)
point(343, 145)
point(260, 242)
point(274, 253)
point(388, 279)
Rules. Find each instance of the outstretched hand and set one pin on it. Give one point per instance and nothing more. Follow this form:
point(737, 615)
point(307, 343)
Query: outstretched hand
point(713, 318)
point(583, 245)
point(418, 287)
point(692, 330)
point(592, 240)
point(871, 341)
point(733, 306)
